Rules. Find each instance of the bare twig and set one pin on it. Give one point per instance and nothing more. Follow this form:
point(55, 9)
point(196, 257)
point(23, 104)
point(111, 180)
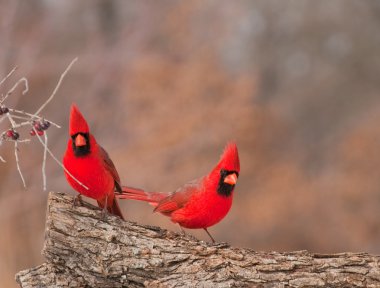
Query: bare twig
point(26, 89)
point(44, 162)
point(33, 116)
point(21, 117)
point(2, 119)
point(23, 140)
point(13, 123)
point(18, 125)
point(59, 162)
point(9, 75)
point(28, 119)
point(18, 164)
point(2, 160)
point(56, 87)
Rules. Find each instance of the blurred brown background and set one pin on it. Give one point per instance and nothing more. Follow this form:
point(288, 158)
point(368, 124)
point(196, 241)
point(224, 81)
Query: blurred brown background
point(165, 84)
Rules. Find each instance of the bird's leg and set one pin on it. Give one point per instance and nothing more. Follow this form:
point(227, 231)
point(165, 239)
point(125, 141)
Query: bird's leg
point(104, 211)
point(183, 231)
point(77, 199)
point(212, 239)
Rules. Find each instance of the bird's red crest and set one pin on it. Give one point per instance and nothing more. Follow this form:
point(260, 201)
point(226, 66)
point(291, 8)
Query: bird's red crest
point(230, 158)
point(77, 121)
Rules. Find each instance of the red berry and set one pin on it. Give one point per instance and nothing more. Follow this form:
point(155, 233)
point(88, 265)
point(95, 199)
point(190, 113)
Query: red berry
point(10, 133)
point(37, 126)
point(45, 124)
point(32, 132)
point(3, 110)
point(15, 135)
point(40, 132)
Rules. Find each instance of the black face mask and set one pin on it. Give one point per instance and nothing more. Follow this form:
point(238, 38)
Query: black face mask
point(84, 150)
point(225, 189)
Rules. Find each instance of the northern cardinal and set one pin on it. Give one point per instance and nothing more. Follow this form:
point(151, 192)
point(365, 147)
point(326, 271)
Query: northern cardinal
point(200, 203)
point(90, 164)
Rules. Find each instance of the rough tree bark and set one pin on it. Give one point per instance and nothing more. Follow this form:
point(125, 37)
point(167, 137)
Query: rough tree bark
point(82, 250)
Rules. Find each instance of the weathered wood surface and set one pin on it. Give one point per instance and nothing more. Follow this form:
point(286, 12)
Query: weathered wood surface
point(82, 250)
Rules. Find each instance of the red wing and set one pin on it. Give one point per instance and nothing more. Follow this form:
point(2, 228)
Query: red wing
point(178, 198)
point(108, 164)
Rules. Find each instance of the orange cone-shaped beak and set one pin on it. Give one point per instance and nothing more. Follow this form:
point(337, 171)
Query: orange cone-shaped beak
point(231, 179)
point(80, 141)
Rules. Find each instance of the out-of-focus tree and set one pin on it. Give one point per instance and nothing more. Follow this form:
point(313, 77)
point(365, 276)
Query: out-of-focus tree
point(164, 85)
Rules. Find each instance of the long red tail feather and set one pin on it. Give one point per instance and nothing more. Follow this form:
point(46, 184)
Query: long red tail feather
point(137, 194)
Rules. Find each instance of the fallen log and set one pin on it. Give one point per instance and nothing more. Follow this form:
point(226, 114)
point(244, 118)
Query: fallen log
point(83, 250)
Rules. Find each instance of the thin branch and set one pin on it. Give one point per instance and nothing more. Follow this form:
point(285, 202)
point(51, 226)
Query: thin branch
point(59, 162)
point(26, 89)
point(9, 75)
point(22, 141)
point(13, 123)
point(2, 118)
point(44, 162)
point(21, 117)
point(18, 164)
point(56, 87)
point(2, 160)
point(33, 116)
point(27, 119)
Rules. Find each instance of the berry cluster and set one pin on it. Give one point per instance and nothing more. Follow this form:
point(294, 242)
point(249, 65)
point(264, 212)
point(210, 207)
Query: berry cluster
point(12, 134)
point(3, 110)
point(39, 126)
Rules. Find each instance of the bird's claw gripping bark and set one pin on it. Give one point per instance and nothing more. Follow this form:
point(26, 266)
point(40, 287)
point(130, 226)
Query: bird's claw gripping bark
point(77, 199)
point(104, 213)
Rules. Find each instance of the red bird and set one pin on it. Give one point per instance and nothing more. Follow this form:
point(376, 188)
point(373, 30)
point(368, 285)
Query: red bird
point(90, 164)
point(200, 203)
